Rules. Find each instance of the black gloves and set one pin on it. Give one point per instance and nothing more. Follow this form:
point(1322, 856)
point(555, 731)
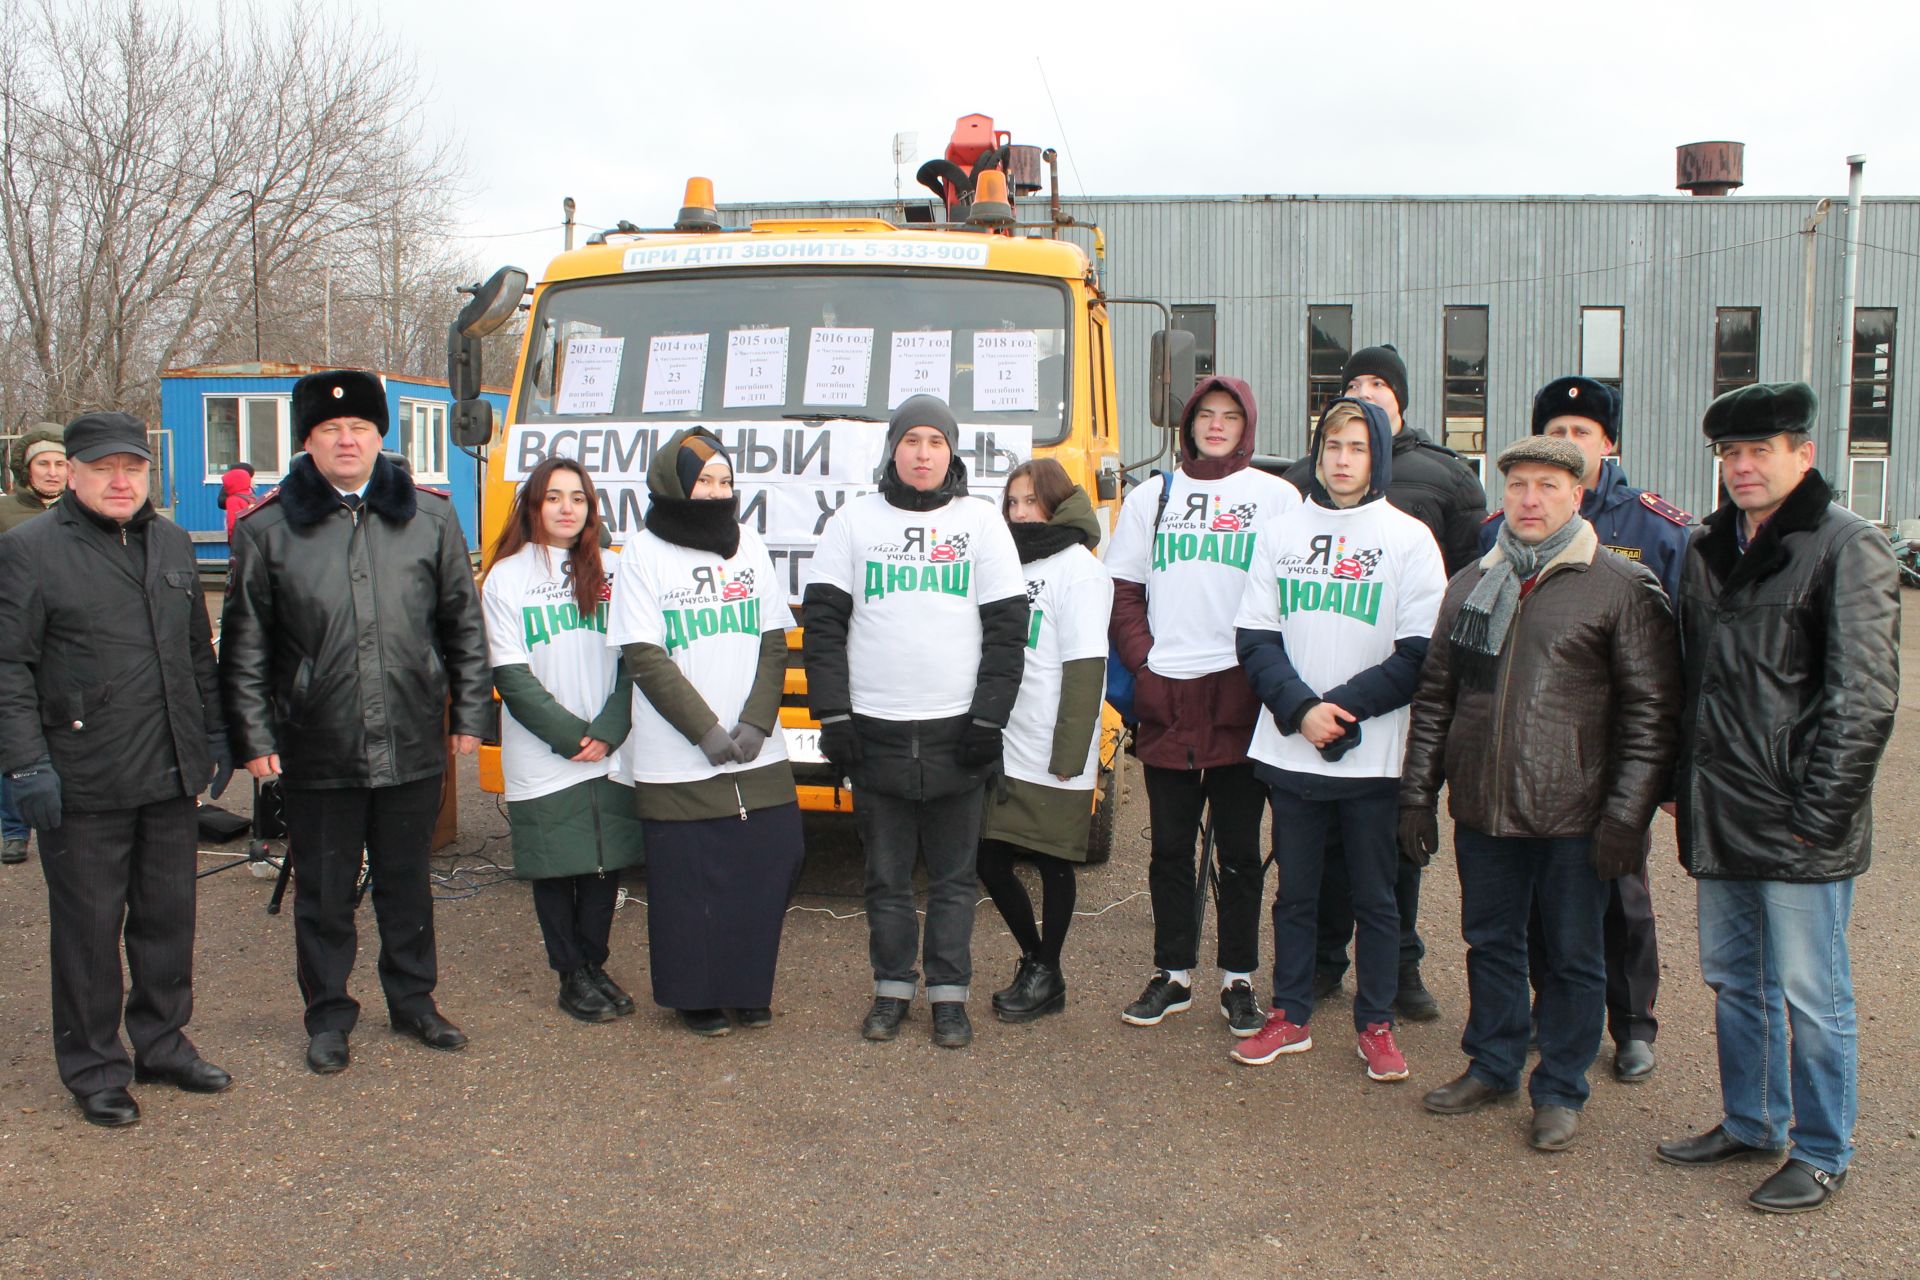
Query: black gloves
point(839, 743)
point(36, 794)
point(747, 740)
point(717, 745)
point(981, 743)
point(1419, 835)
point(1349, 739)
point(1618, 850)
point(222, 764)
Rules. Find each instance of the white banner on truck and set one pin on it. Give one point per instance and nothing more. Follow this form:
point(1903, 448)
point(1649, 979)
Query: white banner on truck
point(752, 251)
point(790, 475)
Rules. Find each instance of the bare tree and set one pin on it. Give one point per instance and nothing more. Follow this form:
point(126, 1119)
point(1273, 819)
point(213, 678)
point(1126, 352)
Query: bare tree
point(167, 190)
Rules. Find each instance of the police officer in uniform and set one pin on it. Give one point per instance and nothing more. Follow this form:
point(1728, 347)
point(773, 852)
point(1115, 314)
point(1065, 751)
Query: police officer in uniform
point(1649, 530)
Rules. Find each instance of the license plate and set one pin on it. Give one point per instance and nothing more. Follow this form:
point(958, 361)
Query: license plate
point(803, 746)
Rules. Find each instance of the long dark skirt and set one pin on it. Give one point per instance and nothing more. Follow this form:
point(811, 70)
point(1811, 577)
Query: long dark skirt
point(717, 897)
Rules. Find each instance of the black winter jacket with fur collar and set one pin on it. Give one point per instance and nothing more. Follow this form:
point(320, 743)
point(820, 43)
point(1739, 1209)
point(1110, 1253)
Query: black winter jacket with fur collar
point(345, 633)
point(1792, 660)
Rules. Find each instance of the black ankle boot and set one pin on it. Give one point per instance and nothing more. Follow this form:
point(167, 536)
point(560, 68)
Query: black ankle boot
point(1019, 976)
point(581, 997)
point(1043, 990)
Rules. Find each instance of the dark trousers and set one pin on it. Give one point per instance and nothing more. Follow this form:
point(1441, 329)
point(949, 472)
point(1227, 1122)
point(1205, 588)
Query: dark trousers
point(896, 834)
point(1043, 938)
point(1501, 879)
point(1175, 798)
point(1366, 826)
point(576, 918)
point(327, 831)
point(12, 825)
point(1633, 957)
point(1335, 926)
point(125, 873)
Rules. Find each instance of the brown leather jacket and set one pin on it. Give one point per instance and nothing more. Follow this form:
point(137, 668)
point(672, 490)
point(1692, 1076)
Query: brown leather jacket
point(1581, 719)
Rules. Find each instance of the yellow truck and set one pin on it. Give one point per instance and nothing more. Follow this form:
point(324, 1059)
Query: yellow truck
point(792, 339)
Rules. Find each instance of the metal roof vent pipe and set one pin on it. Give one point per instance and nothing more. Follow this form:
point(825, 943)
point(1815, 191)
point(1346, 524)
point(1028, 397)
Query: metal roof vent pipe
point(1709, 168)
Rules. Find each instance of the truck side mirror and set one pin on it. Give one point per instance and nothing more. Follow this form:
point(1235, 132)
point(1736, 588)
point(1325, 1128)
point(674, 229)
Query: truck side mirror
point(492, 304)
point(463, 364)
point(1172, 372)
point(471, 423)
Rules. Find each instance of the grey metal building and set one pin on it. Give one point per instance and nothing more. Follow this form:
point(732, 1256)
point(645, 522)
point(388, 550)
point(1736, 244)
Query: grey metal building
point(1672, 298)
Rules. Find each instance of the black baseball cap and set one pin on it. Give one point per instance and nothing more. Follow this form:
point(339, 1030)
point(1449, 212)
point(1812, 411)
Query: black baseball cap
point(93, 436)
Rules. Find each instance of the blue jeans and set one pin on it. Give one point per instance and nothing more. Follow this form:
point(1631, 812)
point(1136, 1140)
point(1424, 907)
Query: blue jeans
point(12, 825)
point(1775, 955)
point(1501, 879)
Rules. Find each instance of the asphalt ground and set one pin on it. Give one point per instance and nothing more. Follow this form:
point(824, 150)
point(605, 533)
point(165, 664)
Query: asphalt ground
point(1072, 1147)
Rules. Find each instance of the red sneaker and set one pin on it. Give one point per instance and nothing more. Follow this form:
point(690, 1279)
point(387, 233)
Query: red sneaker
point(1278, 1036)
point(1383, 1058)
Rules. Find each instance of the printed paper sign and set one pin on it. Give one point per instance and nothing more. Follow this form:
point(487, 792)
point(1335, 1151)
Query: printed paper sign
point(676, 374)
point(756, 368)
point(922, 365)
point(589, 375)
point(1006, 372)
point(838, 363)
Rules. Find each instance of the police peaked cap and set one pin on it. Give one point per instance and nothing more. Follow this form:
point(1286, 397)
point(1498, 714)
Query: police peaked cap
point(1760, 411)
point(1578, 397)
point(340, 393)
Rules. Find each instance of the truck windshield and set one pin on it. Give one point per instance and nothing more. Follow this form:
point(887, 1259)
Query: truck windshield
point(732, 347)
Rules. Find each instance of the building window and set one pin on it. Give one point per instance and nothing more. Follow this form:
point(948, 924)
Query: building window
point(1603, 332)
point(1197, 319)
point(1867, 488)
point(424, 439)
point(250, 429)
point(1870, 424)
point(1329, 343)
point(1736, 348)
point(1465, 427)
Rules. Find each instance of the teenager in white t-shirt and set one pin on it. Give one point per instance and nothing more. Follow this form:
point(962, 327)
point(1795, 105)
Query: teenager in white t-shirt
point(1053, 739)
point(1178, 574)
point(701, 620)
point(1339, 607)
point(916, 623)
point(568, 707)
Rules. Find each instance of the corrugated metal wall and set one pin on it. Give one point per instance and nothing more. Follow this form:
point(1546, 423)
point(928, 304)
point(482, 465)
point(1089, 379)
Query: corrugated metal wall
point(1534, 262)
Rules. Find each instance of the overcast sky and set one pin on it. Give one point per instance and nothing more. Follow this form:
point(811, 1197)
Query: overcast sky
point(616, 104)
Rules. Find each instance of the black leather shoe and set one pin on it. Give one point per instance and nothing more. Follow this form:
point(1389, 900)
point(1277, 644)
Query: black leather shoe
point(754, 1018)
point(430, 1029)
point(581, 997)
point(1797, 1187)
point(1019, 976)
point(1553, 1128)
point(622, 1002)
point(1414, 1002)
point(198, 1076)
point(109, 1108)
point(1632, 1061)
point(327, 1052)
point(1041, 990)
point(1713, 1147)
point(1468, 1093)
point(1325, 983)
point(13, 851)
point(952, 1029)
point(705, 1022)
point(884, 1018)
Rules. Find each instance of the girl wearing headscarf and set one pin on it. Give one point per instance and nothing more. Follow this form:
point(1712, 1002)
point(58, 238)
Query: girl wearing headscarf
point(568, 707)
point(701, 620)
point(1053, 738)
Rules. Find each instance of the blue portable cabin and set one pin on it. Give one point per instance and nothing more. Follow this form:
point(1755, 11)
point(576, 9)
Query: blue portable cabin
point(215, 415)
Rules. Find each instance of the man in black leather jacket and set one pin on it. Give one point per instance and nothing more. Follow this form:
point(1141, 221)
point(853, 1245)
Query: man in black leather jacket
point(351, 619)
point(1790, 633)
